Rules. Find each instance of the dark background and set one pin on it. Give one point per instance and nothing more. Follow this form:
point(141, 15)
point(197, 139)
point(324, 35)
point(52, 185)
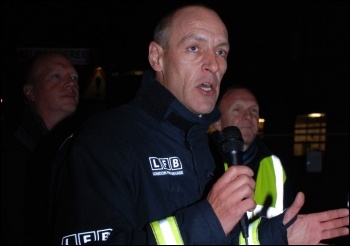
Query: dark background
point(294, 54)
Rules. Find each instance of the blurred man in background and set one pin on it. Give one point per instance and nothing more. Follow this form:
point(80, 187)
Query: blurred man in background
point(29, 142)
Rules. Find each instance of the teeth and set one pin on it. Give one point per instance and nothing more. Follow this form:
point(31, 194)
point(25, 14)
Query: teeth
point(206, 86)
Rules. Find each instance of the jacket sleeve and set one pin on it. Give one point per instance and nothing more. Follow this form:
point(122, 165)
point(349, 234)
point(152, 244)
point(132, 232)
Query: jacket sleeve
point(90, 202)
point(196, 224)
point(272, 231)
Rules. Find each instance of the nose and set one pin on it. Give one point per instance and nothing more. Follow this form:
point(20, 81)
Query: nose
point(71, 81)
point(247, 114)
point(211, 64)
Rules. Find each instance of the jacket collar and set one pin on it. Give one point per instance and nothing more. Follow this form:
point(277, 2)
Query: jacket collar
point(162, 105)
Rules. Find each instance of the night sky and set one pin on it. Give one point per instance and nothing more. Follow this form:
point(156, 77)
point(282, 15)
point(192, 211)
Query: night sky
point(294, 54)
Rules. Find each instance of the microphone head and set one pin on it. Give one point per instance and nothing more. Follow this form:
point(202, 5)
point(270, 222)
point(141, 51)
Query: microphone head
point(231, 139)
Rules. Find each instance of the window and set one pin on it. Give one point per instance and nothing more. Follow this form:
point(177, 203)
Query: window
point(309, 133)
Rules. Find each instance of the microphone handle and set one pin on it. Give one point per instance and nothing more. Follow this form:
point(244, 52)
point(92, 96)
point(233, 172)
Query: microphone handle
point(236, 159)
point(244, 227)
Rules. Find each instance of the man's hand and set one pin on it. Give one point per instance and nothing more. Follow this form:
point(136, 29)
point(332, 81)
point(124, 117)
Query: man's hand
point(232, 196)
point(314, 227)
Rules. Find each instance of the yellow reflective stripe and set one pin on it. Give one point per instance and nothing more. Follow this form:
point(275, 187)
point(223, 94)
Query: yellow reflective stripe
point(157, 232)
point(241, 239)
point(225, 166)
point(167, 232)
point(253, 238)
point(254, 232)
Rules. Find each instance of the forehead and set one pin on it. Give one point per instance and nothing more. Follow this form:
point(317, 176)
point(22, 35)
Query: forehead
point(241, 93)
point(50, 62)
point(238, 96)
point(51, 59)
point(200, 20)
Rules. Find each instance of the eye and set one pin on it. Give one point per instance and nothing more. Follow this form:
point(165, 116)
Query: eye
point(255, 111)
point(193, 49)
point(222, 53)
point(236, 109)
point(75, 78)
point(56, 76)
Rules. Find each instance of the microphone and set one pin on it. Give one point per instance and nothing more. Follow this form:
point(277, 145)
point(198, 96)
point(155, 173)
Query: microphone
point(231, 143)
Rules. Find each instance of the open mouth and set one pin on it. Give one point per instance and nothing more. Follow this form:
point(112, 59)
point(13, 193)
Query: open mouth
point(206, 86)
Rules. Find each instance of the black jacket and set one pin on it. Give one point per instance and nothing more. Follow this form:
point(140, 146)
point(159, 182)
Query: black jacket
point(142, 162)
point(27, 151)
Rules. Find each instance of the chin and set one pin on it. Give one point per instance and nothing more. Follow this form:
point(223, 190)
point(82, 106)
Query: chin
point(205, 110)
point(70, 109)
point(247, 137)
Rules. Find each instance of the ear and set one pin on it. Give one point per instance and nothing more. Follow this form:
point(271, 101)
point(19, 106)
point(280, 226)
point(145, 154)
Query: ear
point(218, 125)
point(28, 92)
point(155, 52)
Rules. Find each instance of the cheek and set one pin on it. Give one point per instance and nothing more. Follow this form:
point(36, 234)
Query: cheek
point(223, 67)
point(234, 119)
point(228, 121)
point(46, 93)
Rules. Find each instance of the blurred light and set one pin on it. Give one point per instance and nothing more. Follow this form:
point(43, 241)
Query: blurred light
point(135, 72)
point(315, 115)
point(261, 125)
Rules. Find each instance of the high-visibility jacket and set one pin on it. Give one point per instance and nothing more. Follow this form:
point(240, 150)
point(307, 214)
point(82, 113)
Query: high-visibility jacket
point(270, 178)
point(272, 191)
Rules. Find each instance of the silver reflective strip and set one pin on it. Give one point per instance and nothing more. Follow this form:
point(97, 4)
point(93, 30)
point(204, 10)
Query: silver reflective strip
point(167, 232)
point(279, 183)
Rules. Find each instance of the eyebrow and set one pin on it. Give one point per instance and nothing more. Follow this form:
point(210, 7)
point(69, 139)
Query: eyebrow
point(199, 38)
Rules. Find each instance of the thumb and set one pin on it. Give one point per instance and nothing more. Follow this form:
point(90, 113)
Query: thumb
point(294, 209)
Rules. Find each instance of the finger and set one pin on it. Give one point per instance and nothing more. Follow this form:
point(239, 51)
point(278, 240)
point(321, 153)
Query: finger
point(335, 223)
point(232, 173)
point(333, 214)
point(338, 232)
point(249, 203)
point(243, 184)
point(242, 187)
point(294, 208)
